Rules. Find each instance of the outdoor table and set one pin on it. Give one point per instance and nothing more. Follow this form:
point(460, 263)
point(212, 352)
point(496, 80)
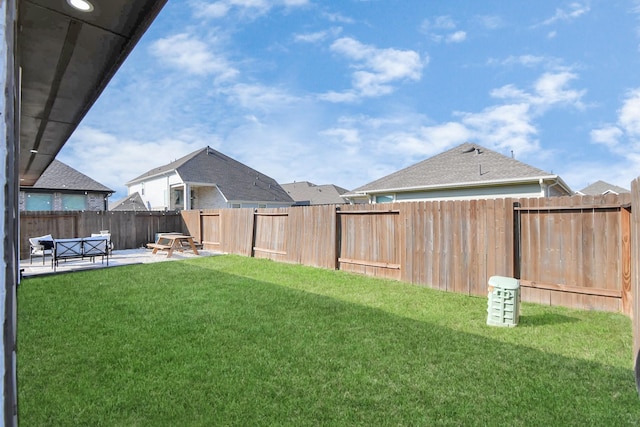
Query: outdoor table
point(171, 242)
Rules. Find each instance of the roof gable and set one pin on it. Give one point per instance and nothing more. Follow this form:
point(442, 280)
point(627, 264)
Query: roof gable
point(305, 191)
point(601, 187)
point(462, 165)
point(59, 176)
point(169, 167)
point(133, 202)
point(236, 181)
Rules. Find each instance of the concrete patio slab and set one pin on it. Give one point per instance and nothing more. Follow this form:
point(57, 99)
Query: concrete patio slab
point(117, 258)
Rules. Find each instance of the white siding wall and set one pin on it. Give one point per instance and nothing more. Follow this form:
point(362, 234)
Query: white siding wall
point(523, 190)
point(155, 191)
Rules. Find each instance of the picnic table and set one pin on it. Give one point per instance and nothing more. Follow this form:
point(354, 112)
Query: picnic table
point(171, 242)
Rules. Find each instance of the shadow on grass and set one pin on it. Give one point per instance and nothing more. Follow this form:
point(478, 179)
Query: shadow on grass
point(224, 349)
point(545, 319)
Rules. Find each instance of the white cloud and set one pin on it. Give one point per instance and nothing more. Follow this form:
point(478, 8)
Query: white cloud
point(317, 36)
point(549, 90)
point(457, 37)
point(442, 28)
point(609, 136)
point(376, 69)
point(347, 96)
point(347, 139)
point(443, 22)
point(491, 22)
point(246, 8)
point(525, 60)
point(503, 127)
point(426, 141)
point(629, 114)
point(193, 56)
point(623, 137)
point(345, 135)
point(336, 17)
point(574, 11)
point(258, 97)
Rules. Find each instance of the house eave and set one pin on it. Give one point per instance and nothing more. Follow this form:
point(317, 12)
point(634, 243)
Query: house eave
point(154, 176)
point(470, 184)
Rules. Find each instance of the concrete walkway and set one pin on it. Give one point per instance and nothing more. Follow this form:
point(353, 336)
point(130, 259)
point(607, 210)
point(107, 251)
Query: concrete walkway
point(117, 258)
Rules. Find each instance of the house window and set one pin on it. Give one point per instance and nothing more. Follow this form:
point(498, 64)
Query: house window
point(74, 202)
point(235, 205)
point(384, 199)
point(39, 202)
point(177, 198)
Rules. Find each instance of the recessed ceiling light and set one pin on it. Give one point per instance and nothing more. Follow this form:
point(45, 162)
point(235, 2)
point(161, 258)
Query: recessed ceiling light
point(81, 5)
point(33, 151)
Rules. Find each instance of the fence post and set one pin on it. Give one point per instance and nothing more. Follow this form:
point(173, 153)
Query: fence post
point(337, 236)
point(516, 240)
point(625, 255)
point(253, 233)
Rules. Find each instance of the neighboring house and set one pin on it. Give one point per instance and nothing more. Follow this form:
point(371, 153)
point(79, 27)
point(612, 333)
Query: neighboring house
point(207, 179)
point(468, 171)
point(130, 203)
point(600, 187)
point(62, 188)
point(306, 193)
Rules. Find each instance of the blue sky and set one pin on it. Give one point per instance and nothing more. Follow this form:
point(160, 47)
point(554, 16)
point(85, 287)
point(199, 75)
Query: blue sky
point(347, 91)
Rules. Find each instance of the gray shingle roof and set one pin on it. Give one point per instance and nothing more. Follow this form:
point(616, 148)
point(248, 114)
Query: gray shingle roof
point(464, 164)
point(235, 180)
point(130, 203)
point(59, 176)
point(601, 187)
point(305, 191)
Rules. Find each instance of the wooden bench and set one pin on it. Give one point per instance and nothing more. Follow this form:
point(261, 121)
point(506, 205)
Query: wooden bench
point(158, 246)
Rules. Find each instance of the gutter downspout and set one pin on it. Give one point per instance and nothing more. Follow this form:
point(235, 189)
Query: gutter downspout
point(552, 185)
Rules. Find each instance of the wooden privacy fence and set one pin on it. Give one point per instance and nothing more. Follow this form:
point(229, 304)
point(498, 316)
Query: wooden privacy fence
point(575, 252)
point(635, 274)
point(128, 229)
point(572, 251)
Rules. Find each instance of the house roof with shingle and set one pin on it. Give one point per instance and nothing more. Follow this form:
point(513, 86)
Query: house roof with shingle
point(61, 177)
point(305, 191)
point(462, 166)
point(601, 187)
point(235, 180)
point(133, 202)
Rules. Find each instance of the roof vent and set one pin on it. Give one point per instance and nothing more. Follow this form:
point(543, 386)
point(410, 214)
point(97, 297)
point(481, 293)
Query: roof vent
point(471, 150)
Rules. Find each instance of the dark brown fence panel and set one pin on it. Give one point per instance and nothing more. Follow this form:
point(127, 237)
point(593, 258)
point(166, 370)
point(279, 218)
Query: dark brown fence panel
point(192, 220)
point(370, 240)
point(237, 228)
point(572, 251)
point(211, 229)
point(457, 245)
point(128, 229)
point(269, 239)
point(311, 236)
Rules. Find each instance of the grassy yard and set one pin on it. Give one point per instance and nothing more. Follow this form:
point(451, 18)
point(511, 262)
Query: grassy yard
point(238, 341)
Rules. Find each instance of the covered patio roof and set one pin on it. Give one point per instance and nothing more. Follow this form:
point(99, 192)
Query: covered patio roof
point(67, 56)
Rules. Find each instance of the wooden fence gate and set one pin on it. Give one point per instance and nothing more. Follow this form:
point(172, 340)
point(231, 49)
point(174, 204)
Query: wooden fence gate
point(574, 255)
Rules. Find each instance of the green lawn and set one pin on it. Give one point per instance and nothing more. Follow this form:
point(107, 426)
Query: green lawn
point(230, 340)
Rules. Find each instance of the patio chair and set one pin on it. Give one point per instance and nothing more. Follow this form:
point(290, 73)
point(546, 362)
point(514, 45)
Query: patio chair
point(40, 247)
point(105, 233)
